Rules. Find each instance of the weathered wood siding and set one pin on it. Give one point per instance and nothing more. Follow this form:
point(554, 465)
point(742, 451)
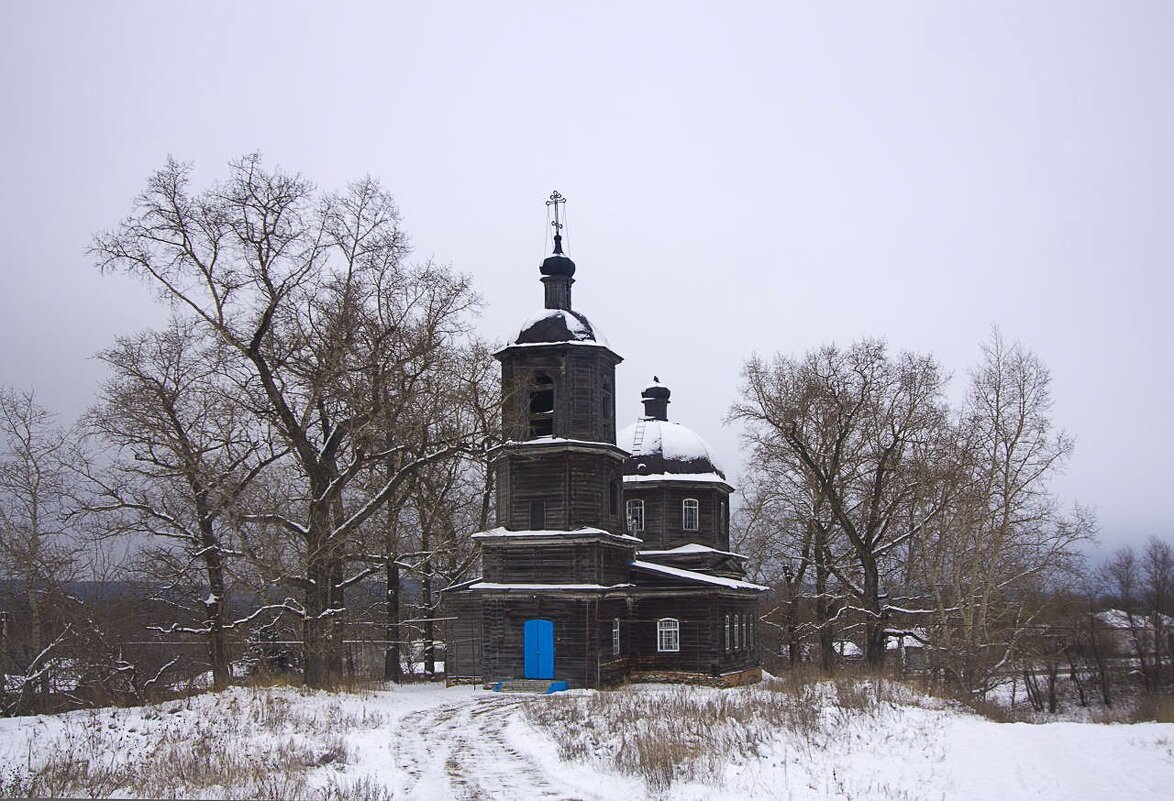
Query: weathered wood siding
point(576, 637)
point(575, 487)
point(515, 562)
point(664, 525)
point(702, 634)
point(584, 390)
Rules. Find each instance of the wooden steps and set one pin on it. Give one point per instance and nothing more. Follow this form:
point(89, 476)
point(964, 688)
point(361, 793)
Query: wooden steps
point(534, 686)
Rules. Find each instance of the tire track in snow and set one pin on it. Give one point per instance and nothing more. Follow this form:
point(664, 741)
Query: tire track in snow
point(459, 751)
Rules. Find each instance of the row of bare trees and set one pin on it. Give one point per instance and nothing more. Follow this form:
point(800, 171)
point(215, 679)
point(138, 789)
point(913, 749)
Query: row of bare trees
point(313, 417)
point(878, 511)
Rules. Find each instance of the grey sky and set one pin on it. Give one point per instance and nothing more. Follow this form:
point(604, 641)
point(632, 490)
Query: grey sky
point(741, 177)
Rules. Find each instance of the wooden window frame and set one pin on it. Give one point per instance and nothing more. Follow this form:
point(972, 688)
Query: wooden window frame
point(690, 505)
point(668, 635)
point(635, 503)
point(615, 637)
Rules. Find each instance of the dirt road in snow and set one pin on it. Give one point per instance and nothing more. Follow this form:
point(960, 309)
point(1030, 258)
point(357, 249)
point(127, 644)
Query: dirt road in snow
point(460, 751)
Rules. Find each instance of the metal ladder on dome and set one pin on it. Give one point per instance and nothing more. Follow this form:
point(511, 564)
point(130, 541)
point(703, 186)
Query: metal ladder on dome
point(638, 436)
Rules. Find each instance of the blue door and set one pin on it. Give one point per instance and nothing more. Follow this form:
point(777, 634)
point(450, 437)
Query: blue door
point(538, 637)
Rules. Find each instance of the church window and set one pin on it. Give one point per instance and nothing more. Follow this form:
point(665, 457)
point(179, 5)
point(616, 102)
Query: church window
point(689, 514)
point(635, 516)
point(727, 632)
point(613, 499)
point(542, 407)
point(668, 634)
point(737, 642)
point(723, 521)
point(615, 637)
point(537, 515)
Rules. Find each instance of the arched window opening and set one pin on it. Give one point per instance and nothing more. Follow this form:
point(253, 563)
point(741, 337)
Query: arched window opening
point(689, 515)
point(613, 499)
point(668, 634)
point(542, 407)
point(635, 516)
point(727, 632)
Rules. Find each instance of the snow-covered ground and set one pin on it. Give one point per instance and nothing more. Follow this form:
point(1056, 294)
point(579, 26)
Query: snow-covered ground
point(429, 742)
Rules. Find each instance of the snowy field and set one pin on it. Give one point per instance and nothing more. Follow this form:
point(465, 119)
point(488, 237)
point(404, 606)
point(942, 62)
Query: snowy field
point(819, 741)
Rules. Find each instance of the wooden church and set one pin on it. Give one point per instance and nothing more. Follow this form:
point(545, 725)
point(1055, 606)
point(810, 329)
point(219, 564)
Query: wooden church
point(610, 560)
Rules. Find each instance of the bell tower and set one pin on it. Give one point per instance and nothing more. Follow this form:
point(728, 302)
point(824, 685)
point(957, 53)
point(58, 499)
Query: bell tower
point(559, 468)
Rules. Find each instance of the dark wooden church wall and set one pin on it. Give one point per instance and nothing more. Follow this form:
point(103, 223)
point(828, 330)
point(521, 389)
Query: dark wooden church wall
point(663, 521)
point(572, 563)
point(572, 486)
point(702, 634)
point(576, 637)
point(584, 381)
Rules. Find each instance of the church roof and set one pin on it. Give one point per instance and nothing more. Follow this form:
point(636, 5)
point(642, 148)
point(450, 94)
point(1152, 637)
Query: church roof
point(667, 450)
point(558, 325)
point(699, 578)
point(662, 450)
point(692, 548)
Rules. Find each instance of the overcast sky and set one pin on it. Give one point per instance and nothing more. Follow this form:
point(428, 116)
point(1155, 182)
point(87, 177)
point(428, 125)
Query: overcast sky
point(742, 177)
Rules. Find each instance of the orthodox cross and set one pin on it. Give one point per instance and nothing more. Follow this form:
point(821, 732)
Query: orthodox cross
point(555, 200)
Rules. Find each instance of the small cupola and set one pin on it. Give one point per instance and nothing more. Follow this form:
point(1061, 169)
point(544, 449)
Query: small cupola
point(557, 269)
point(655, 398)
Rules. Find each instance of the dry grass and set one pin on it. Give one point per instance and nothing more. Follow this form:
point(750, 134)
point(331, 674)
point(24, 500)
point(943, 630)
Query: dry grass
point(251, 744)
point(1153, 708)
point(691, 733)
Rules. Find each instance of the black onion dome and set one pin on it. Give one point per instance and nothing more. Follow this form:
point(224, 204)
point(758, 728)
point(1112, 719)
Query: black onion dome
point(558, 264)
point(558, 325)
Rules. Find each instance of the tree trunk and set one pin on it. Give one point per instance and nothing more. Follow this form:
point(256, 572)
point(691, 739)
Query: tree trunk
point(318, 651)
point(876, 624)
point(827, 645)
point(216, 608)
point(429, 628)
point(391, 659)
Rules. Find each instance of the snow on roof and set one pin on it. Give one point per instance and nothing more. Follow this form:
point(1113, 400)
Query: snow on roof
point(552, 440)
point(668, 439)
point(700, 477)
point(491, 585)
point(578, 328)
point(847, 648)
point(692, 575)
point(694, 547)
point(586, 531)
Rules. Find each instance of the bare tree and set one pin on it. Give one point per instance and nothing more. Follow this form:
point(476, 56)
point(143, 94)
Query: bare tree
point(1158, 572)
point(38, 555)
point(857, 426)
point(336, 334)
point(185, 451)
point(999, 547)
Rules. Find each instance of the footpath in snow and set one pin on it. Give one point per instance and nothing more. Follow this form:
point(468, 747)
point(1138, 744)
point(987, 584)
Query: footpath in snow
point(429, 742)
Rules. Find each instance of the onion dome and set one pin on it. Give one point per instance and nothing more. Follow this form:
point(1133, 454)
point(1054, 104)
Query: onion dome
point(663, 449)
point(558, 263)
